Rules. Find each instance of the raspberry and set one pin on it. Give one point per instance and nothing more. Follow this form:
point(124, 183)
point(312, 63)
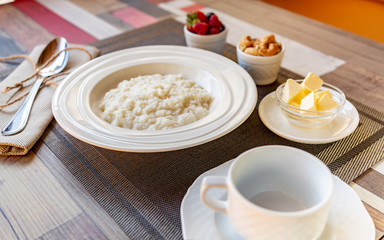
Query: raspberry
point(201, 28)
point(214, 22)
point(198, 22)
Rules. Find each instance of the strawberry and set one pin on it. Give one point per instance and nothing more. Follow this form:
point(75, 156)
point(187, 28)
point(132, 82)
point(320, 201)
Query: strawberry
point(201, 16)
point(191, 21)
point(198, 22)
point(201, 28)
point(214, 21)
point(213, 30)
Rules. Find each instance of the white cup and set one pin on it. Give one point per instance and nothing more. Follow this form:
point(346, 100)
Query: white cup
point(213, 42)
point(263, 69)
point(274, 192)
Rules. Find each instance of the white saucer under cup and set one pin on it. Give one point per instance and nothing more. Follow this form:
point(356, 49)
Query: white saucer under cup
point(350, 218)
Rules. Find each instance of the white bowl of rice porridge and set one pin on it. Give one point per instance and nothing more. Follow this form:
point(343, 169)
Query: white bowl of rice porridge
point(151, 98)
point(77, 102)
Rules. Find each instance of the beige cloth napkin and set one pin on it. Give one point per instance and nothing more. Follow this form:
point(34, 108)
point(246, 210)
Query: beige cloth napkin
point(41, 114)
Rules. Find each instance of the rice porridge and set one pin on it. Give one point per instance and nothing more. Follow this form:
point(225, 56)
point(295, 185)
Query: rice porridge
point(155, 102)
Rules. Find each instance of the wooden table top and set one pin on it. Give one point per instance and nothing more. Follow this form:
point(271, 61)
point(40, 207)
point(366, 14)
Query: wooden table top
point(44, 201)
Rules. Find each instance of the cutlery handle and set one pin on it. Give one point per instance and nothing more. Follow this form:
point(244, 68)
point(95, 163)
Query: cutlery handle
point(20, 119)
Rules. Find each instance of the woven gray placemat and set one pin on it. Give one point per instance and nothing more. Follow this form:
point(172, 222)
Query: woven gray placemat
point(143, 191)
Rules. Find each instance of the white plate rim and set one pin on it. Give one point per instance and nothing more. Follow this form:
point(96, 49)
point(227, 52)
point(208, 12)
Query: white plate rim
point(98, 139)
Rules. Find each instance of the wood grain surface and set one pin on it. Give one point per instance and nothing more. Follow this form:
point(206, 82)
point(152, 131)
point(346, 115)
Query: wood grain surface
point(363, 74)
point(39, 196)
point(361, 77)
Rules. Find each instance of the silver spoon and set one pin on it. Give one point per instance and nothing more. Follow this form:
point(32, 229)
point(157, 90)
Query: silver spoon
point(19, 120)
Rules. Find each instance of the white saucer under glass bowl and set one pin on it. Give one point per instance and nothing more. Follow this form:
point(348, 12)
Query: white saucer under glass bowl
point(348, 217)
point(343, 123)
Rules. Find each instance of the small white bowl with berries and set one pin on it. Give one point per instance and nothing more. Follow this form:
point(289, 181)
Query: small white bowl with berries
point(205, 31)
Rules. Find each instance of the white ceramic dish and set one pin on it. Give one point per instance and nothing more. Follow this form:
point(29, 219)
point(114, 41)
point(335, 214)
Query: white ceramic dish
point(75, 103)
point(264, 70)
point(348, 218)
point(215, 42)
point(340, 127)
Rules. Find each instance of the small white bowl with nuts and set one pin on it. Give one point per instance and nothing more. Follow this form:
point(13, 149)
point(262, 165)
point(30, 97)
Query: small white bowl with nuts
point(260, 57)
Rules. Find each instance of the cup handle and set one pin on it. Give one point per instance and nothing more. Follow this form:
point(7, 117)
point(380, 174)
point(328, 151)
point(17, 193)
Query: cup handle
point(209, 201)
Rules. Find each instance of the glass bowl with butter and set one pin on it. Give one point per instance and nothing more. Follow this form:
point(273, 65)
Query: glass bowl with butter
point(310, 103)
